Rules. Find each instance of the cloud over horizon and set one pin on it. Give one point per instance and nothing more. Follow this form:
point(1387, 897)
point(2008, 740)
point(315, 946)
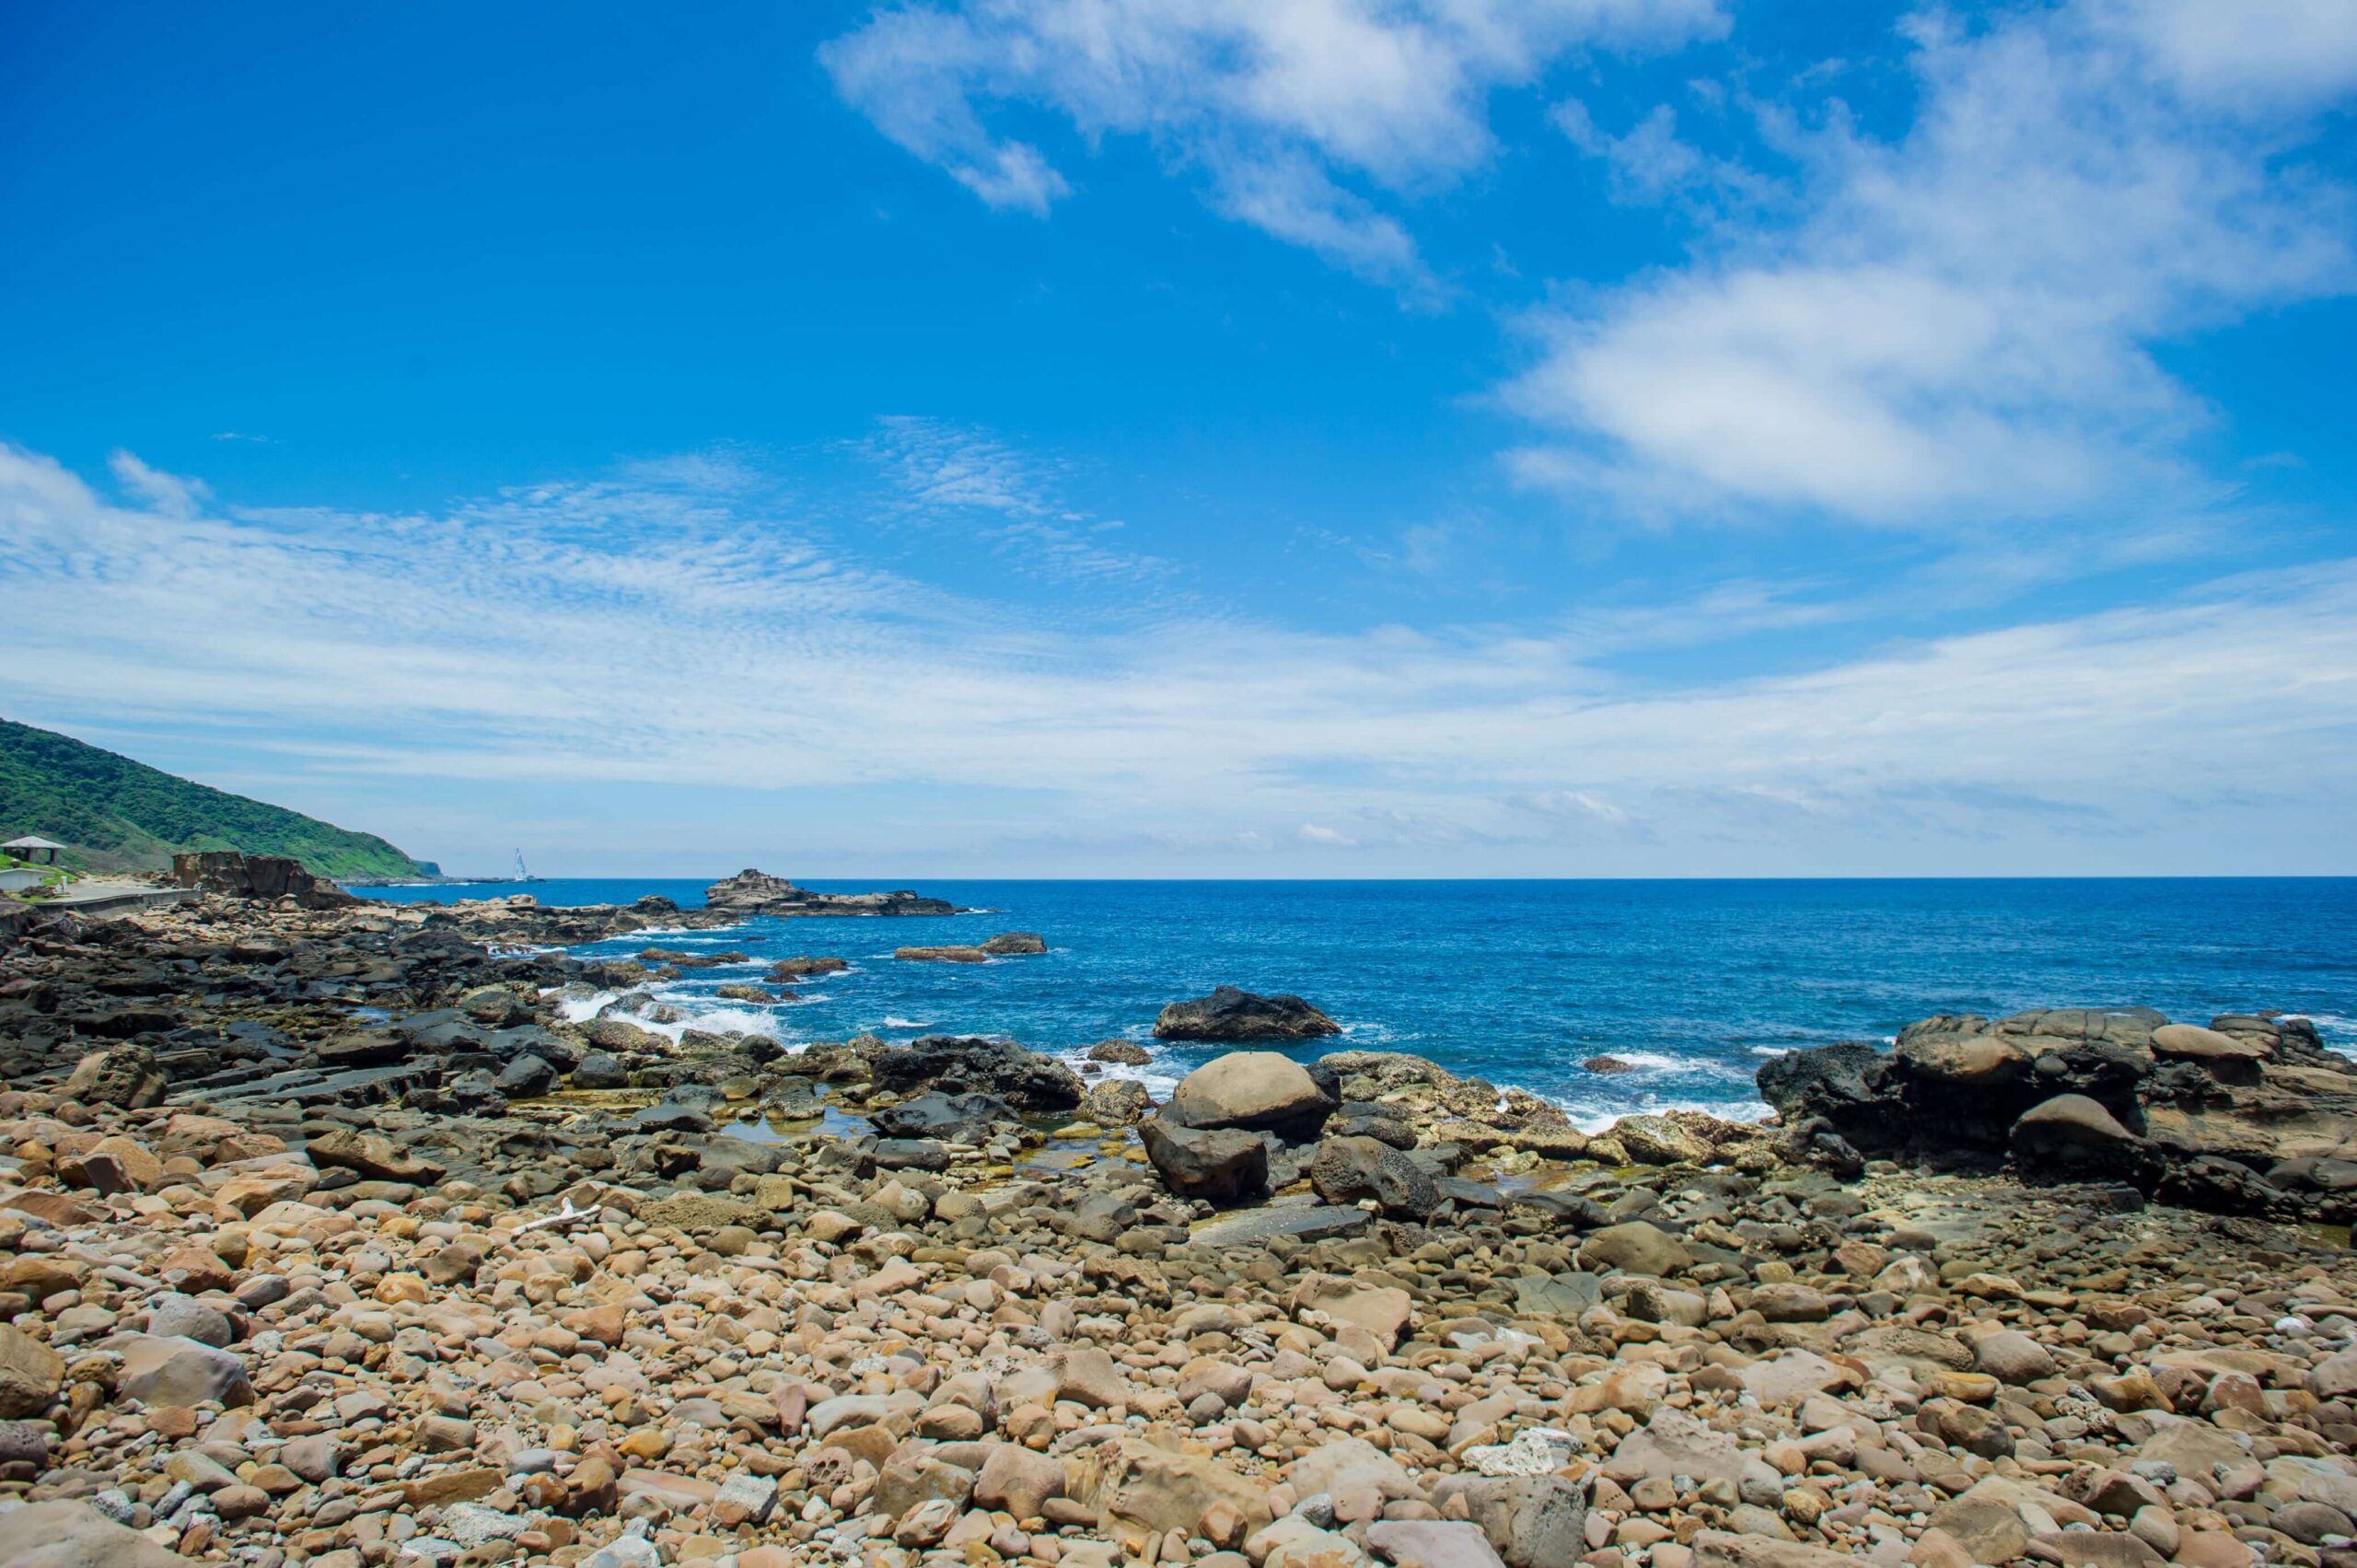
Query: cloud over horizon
point(665, 627)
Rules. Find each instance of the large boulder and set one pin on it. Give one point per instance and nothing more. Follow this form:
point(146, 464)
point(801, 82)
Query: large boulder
point(63, 1533)
point(124, 1075)
point(159, 1369)
point(1348, 1170)
point(1255, 1090)
point(1656, 1140)
point(228, 873)
point(1384, 1311)
point(1635, 1246)
point(31, 1374)
point(374, 1156)
point(1141, 1490)
point(1537, 1521)
point(1230, 1014)
point(2078, 1133)
point(1217, 1164)
point(1116, 1102)
point(1024, 1079)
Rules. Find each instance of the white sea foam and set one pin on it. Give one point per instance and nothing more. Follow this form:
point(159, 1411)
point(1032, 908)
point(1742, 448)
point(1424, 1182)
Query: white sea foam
point(892, 1023)
point(715, 1021)
point(1651, 1062)
point(581, 1010)
point(1772, 1051)
point(1592, 1118)
point(1158, 1082)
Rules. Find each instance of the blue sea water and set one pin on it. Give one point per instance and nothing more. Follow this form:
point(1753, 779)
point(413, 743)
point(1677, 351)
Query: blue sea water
point(1520, 981)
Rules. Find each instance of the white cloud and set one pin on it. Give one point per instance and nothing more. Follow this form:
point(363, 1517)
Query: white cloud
point(2248, 53)
point(168, 493)
point(1277, 103)
point(1961, 326)
point(969, 479)
point(637, 632)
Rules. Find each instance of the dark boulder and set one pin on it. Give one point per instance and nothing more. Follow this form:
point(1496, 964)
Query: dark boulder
point(1349, 1169)
point(1228, 1014)
point(670, 1117)
point(955, 1118)
point(361, 1048)
point(597, 1070)
point(1015, 943)
point(1955, 1086)
point(1835, 1082)
point(1217, 1164)
point(527, 1077)
point(1024, 1079)
point(910, 1154)
point(1384, 1123)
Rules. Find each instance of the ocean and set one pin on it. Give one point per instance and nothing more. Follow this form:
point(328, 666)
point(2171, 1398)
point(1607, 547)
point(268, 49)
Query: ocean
point(1694, 983)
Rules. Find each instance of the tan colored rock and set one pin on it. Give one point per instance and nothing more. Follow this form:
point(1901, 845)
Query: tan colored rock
point(1636, 1247)
point(1017, 1481)
point(1721, 1549)
point(31, 1374)
point(1656, 1140)
point(68, 1534)
point(249, 1192)
point(1383, 1311)
point(1137, 1486)
point(1251, 1089)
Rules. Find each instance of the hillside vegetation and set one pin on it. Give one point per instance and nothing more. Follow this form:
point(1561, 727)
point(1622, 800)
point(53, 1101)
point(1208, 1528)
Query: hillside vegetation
point(117, 815)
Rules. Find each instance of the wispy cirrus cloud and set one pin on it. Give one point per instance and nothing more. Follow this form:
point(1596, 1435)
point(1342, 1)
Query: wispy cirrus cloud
point(632, 631)
point(1961, 324)
point(969, 478)
point(1303, 120)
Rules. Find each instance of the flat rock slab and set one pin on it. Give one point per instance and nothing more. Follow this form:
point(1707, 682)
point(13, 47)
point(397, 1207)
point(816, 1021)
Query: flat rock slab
point(309, 1087)
point(1239, 1230)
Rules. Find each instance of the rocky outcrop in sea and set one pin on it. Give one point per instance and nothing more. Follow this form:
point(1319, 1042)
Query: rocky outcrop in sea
point(751, 892)
point(1228, 1014)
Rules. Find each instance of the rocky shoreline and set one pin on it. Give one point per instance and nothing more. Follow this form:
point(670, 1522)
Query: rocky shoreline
point(325, 1236)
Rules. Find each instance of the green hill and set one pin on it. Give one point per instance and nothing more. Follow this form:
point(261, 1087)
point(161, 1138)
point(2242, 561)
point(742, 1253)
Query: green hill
point(117, 815)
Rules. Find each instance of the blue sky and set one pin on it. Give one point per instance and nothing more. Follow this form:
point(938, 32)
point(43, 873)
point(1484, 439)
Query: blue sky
point(1128, 437)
